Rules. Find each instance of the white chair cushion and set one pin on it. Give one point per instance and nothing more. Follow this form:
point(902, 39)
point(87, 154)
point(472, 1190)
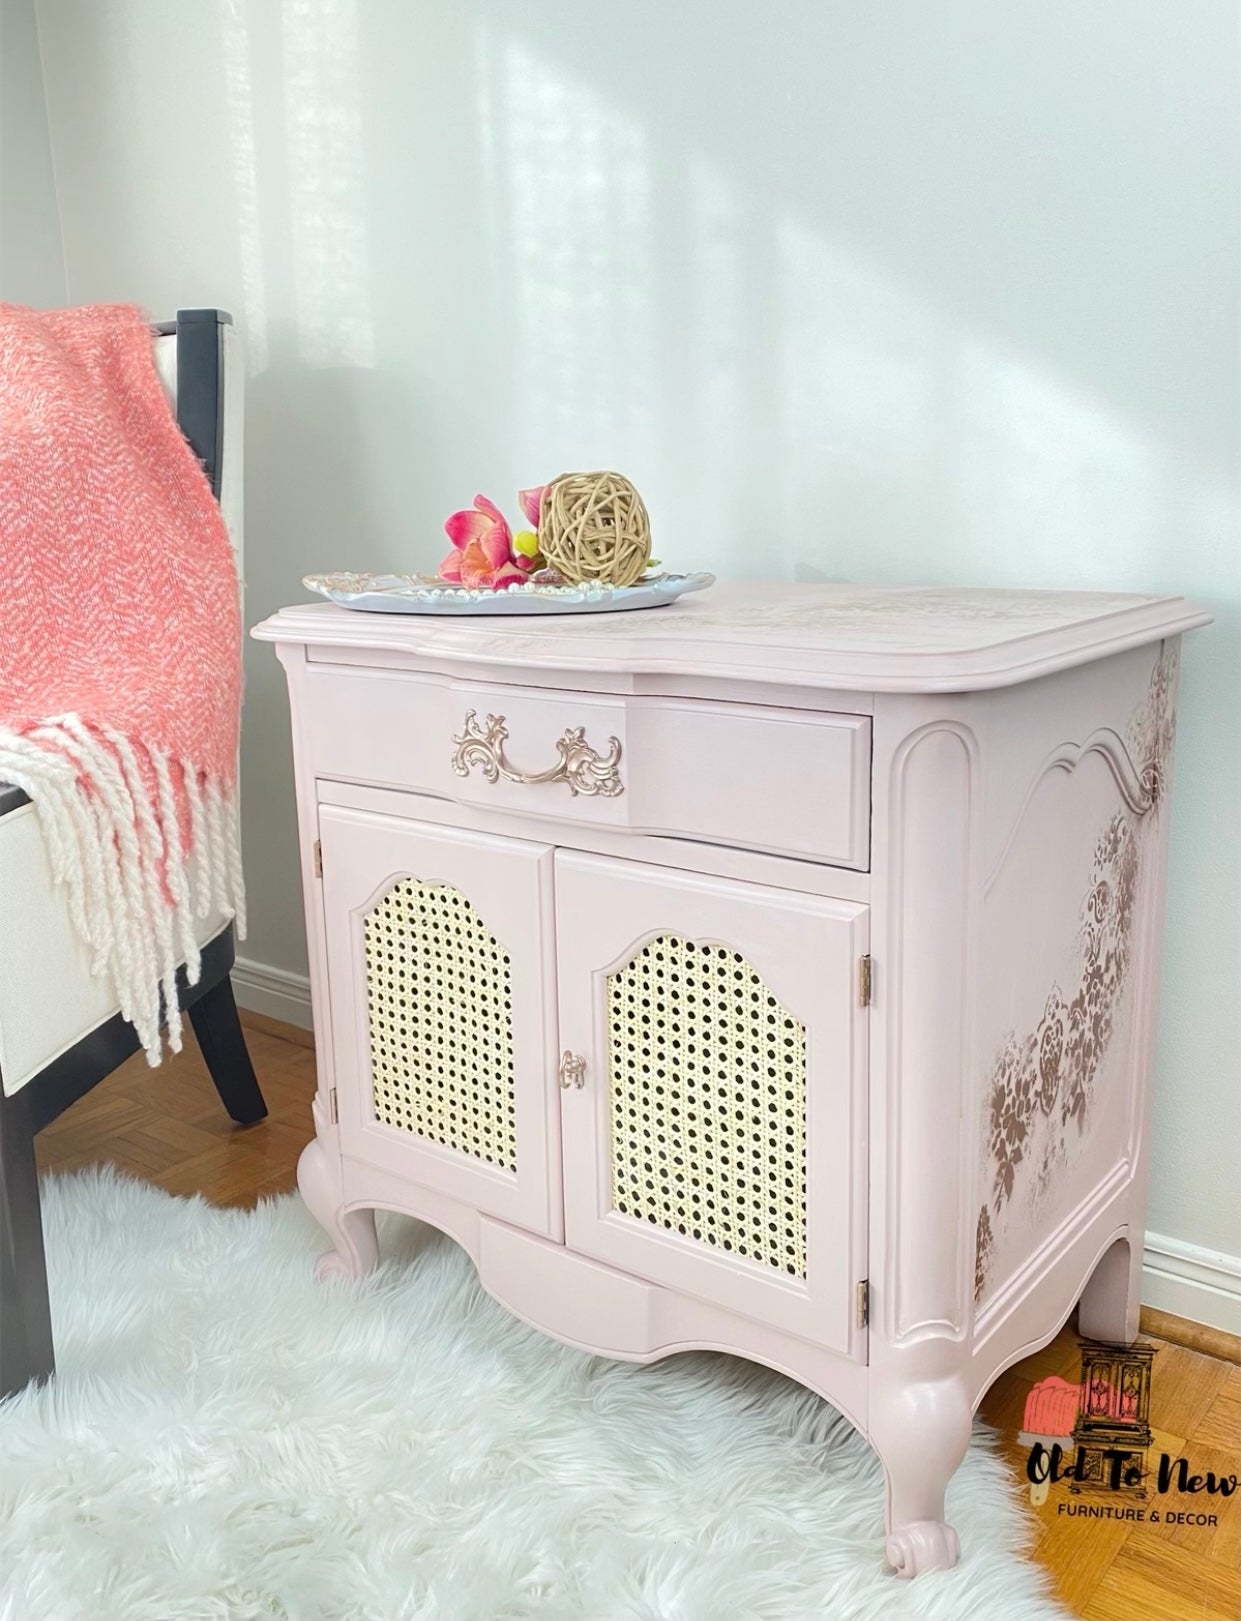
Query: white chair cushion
point(49, 998)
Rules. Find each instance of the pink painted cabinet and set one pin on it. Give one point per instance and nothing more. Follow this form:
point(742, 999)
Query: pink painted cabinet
point(776, 972)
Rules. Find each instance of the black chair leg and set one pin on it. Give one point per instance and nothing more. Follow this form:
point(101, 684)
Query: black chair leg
point(25, 1321)
point(215, 1021)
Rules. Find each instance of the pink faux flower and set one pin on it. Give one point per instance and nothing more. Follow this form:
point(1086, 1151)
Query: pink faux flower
point(532, 503)
point(482, 554)
point(525, 543)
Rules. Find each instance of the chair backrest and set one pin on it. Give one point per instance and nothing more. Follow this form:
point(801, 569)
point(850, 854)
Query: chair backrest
point(200, 362)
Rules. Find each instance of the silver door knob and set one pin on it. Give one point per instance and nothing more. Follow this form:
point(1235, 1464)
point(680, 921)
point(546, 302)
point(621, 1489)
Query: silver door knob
point(572, 1070)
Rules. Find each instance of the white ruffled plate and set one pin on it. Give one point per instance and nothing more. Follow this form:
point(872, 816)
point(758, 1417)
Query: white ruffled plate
point(417, 594)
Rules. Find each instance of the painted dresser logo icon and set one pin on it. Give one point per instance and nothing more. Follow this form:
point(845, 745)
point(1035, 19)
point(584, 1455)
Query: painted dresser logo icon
point(1113, 1422)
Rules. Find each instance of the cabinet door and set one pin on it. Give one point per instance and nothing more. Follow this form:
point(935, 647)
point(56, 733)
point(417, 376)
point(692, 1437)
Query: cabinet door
point(714, 1130)
point(441, 980)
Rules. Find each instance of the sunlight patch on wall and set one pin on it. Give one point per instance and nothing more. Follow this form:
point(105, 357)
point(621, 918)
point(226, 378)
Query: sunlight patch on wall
point(323, 128)
point(718, 406)
point(908, 439)
point(856, 402)
point(239, 97)
point(857, 357)
point(1050, 482)
point(578, 189)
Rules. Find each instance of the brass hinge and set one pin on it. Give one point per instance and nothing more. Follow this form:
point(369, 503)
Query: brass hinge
point(318, 859)
point(862, 1315)
point(332, 1114)
point(865, 978)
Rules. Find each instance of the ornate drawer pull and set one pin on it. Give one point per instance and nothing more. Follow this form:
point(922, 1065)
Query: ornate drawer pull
point(572, 1070)
point(585, 771)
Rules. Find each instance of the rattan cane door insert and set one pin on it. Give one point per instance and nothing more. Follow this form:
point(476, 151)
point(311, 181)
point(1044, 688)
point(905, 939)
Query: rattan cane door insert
point(707, 1081)
point(440, 1010)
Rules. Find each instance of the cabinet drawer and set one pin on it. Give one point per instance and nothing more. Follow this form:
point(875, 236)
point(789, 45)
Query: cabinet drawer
point(786, 781)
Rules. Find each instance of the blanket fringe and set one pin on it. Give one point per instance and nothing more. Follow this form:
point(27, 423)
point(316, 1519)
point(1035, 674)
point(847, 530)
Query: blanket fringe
point(120, 850)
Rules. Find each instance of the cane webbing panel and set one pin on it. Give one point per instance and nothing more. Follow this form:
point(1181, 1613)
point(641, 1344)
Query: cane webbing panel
point(439, 992)
point(708, 1102)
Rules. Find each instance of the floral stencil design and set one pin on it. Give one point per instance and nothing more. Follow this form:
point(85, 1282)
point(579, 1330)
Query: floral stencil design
point(1152, 728)
point(983, 1247)
point(1048, 1075)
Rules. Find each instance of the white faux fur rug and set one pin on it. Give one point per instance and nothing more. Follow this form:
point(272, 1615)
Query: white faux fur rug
point(225, 1439)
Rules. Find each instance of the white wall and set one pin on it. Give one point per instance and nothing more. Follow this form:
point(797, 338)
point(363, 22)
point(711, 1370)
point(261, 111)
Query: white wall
point(32, 264)
point(938, 291)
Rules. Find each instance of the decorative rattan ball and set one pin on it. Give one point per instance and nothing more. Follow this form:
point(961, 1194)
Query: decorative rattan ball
point(593, 526)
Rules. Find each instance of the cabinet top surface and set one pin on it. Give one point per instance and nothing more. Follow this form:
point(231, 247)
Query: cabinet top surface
point(877, 638)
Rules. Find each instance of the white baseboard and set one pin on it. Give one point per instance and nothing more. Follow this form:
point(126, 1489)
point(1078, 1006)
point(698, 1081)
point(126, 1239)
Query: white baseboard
point(1185, 1279)
point(275, 992)
point(1189, 1281)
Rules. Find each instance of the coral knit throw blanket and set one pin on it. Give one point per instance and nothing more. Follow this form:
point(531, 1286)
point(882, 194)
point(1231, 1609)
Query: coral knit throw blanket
point(120, 649)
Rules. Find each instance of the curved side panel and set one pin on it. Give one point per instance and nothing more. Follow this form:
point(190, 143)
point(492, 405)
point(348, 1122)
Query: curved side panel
point(1129, 778)
point(1065, 972)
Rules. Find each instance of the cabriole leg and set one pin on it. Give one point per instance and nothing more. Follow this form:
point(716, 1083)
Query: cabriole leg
point(921, 1432)
point(1111, 1301)
point(355, 1247)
